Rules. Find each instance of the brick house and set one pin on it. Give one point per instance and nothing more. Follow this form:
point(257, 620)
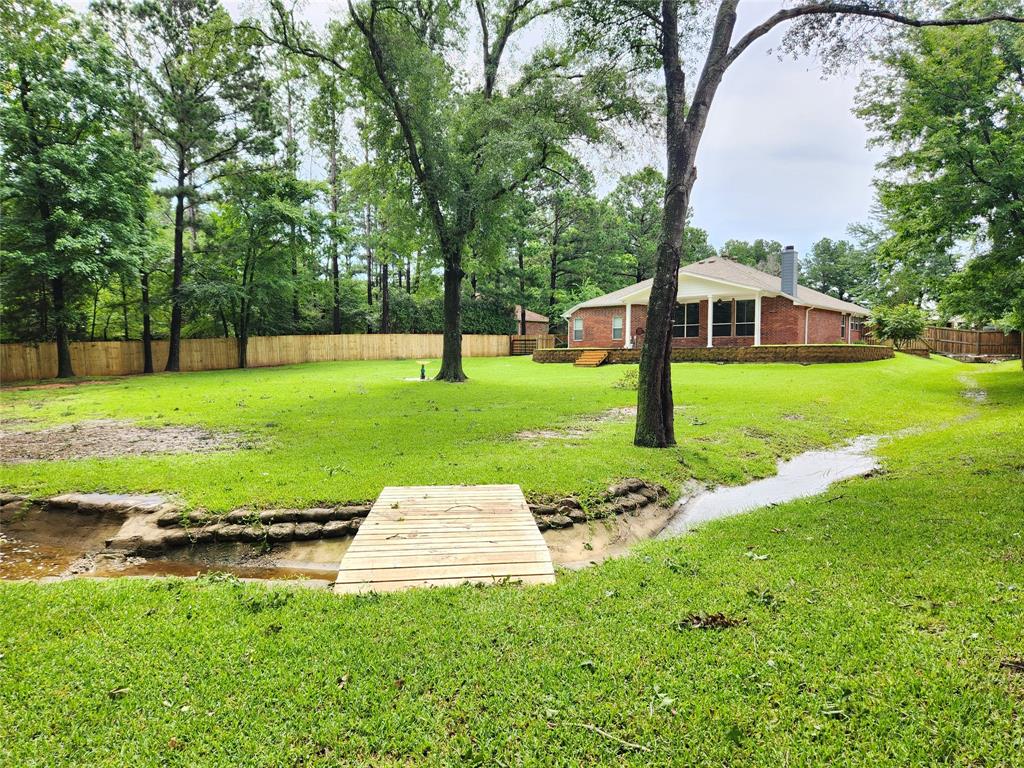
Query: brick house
point(536, 324)
point(747, 307)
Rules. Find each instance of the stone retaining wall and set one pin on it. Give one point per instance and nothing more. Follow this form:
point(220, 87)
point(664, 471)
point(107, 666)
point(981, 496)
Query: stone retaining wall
point(805, 354)
point(154, 525)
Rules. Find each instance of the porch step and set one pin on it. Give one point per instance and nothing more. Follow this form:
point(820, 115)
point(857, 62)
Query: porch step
point(591, 358)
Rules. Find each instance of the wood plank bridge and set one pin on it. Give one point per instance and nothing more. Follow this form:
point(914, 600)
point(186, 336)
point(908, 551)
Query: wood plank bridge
point(421, 536)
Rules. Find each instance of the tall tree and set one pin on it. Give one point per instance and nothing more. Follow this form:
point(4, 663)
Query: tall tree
point(839, 268)
point(637, 201)
point(252, 239)
point(948, 108)
point(658, 34)
point(208, 103)
point(327, 129)
point(762, 254)
point(470, 139)
point(73, 190)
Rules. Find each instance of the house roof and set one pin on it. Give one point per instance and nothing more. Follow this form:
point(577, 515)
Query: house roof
point(531, 316)
point(729, 272)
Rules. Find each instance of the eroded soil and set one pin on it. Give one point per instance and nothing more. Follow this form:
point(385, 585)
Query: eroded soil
point(107, 438)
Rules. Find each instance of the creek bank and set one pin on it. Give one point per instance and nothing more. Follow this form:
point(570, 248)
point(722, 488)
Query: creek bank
point(88, 534)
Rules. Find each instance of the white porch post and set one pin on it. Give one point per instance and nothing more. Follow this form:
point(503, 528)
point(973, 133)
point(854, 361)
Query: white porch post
point(711, 309)
point(628, 342)
point(757, 320)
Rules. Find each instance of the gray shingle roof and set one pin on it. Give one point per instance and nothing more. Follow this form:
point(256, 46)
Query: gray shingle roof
point(728, 271)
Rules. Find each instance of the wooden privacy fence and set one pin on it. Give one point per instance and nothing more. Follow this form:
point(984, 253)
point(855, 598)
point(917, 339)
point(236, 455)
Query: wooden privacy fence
point(20, 362)
point(954, 341)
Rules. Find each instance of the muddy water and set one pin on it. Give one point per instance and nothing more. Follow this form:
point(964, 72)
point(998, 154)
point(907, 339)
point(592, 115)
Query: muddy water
point(47, 544)
point(35, 543)
point(808, 474)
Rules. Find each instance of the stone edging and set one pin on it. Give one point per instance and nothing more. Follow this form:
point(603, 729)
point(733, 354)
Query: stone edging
point(154, 524)
point(625, 496)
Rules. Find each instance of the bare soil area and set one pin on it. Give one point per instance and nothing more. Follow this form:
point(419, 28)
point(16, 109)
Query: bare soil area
point(581, 428)
point(107, 438)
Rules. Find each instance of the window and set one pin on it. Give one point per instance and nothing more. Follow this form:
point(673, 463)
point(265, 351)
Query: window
point(842, 327)
point(577, 329)
point(745, 317)
point(617, 328)
point(686, 321)
point(721, 319)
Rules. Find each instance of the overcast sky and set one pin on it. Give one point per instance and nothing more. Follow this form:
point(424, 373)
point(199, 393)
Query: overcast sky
point(782, 156)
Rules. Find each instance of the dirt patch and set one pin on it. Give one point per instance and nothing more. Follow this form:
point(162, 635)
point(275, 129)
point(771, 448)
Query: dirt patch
point(580, 428)
point(708, 621)
point(108, 438)
point(56, 384)
point(582, 545)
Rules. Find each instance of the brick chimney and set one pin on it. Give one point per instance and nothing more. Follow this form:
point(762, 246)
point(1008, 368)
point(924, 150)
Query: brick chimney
point(789, 270)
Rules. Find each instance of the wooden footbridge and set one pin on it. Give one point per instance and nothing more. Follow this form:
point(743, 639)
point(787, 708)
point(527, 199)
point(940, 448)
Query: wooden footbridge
point(422, 536)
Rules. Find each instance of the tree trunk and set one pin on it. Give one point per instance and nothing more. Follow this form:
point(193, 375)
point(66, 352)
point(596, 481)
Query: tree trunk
point(451, 357)
point(92, 325)
point(408, 274)
point(522, 290)
point(655, 425)
point(336, 287)
point(64, 369)
point(174, 344)
point(385, 299)
point(124, 305)
point(147, 331)
point(555, 239)
point(335, 267)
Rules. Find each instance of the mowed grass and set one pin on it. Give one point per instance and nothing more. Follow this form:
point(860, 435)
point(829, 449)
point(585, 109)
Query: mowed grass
point(876, 625)
point(336, 432)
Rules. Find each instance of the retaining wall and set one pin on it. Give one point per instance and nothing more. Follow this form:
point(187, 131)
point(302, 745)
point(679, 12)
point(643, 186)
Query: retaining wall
point(782, 353)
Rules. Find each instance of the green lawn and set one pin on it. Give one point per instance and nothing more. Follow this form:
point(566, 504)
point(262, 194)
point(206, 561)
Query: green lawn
point(874, 619)
point(336, 432)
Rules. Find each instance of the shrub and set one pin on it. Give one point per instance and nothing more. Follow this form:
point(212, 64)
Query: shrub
point(898, 324)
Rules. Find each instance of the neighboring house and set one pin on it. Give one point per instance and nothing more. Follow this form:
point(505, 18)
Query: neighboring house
point(536, 325)
point(748, 307)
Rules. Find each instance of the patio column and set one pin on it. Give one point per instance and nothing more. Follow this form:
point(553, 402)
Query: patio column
point(628, 341)
point(711, 308)
point(757, 320)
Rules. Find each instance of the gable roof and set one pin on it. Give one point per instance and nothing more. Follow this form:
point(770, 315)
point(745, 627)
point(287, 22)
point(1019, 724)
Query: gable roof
point(531, 316)
point(727, 271)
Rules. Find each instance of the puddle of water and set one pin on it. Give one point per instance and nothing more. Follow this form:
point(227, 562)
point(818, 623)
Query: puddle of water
point(808, 474)
point(35, 543)
point(41, 543)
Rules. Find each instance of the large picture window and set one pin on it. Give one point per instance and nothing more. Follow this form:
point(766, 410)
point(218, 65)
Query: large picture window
point(745, 317)
point(617, 328)
point(721, 318)
point(686, 321)
point(577, 329)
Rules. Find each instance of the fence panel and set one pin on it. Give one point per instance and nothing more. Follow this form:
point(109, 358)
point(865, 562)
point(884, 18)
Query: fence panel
point(956, 341)
point(22, 362)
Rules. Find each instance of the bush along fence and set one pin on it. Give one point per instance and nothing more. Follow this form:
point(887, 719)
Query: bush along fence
point(782, 353)
point(22, 362)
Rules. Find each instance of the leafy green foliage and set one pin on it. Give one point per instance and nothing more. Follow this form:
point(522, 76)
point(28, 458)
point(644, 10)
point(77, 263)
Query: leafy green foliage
point(899, 324)
point(839, 268)
point(947, 107)
point(73, 190)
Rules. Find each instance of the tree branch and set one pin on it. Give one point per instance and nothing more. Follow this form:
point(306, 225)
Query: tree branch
point(849, 9)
